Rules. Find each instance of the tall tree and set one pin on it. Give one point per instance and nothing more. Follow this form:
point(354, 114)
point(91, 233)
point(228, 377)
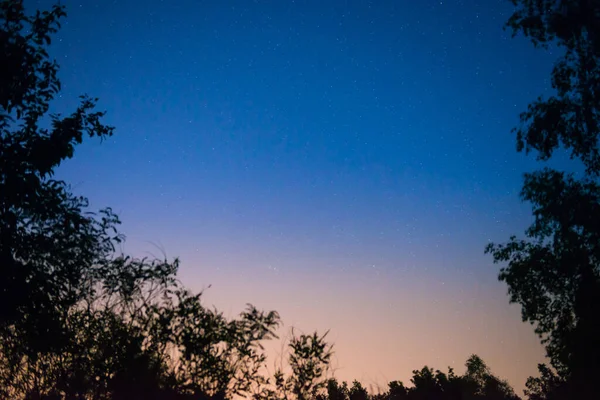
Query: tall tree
point(49, 243)
point(77, 320)
point(554, 274)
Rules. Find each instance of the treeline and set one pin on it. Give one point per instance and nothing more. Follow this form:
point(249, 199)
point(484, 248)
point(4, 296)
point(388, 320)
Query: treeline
point(476, 383)
point(80, 321)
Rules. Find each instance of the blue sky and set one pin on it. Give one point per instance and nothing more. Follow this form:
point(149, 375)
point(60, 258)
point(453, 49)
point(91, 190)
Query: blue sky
point(316, 158)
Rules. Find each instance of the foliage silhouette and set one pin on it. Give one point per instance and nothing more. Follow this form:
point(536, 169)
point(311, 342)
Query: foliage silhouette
point(477, 383)
point(554, 274)
point(308, 360)
point(43, 266)
point(77, 320)
point(358, 392)
point(335, 391)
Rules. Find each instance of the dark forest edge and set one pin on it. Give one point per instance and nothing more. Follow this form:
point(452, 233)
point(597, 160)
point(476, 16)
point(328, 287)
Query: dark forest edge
point(80, 321)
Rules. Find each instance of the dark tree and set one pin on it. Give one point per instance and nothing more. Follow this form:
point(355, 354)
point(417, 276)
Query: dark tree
point(397, 391)
point(554, 273)
point(570, 117)
point(335, 391)
point(427, 384)
point(477, 383)
point(358, 392)
point(49, 243)
point(78, 321)
point(547, 386)
point(308, 361)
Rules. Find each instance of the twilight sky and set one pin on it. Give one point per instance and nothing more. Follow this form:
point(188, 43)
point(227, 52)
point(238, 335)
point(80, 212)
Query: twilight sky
point(342, 162)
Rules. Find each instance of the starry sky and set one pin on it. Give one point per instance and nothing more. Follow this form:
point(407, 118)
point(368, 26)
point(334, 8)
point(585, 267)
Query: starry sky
point(342, 162)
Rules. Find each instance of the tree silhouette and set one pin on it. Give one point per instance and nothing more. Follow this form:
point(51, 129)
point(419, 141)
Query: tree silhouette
point(548, 386)
point(140, 333)
point(78, 321)
point(49, 243)
point(397, 391)
point(477, 383)
point(335, 391)
point(554, 274)
point(482, 383)
point(358, 392)
point(308, 362)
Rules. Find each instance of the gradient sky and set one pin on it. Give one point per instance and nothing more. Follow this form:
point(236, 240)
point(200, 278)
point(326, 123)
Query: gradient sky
point(342, 162)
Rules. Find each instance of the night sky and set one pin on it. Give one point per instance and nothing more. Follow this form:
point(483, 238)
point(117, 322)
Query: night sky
point(342, 162)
